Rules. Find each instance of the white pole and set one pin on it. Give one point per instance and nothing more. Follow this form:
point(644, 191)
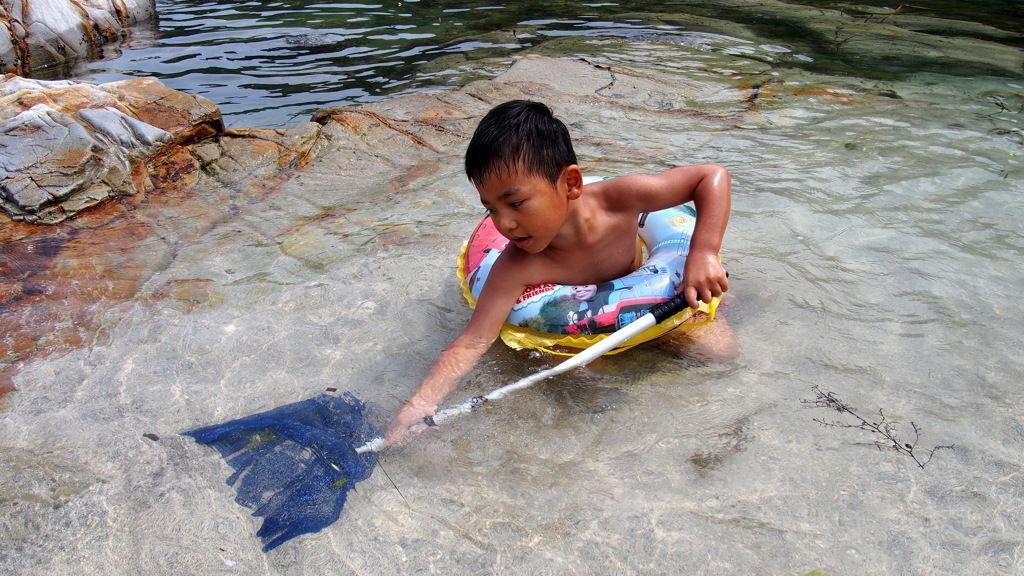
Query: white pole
point(585, 357)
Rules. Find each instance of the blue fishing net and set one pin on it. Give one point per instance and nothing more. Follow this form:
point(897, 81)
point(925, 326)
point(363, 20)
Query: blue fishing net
point(295, 465)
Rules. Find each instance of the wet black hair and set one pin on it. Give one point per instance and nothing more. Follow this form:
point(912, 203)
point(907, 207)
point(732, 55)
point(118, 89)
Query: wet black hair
point(523, 135)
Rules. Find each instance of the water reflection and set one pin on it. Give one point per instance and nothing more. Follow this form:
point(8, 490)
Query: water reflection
point(275, 64)
point(874, 249)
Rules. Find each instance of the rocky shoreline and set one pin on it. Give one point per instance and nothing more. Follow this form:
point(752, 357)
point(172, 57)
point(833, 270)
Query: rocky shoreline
point(155, 168)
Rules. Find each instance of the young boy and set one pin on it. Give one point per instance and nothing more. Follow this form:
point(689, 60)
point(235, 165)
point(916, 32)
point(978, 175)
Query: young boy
point(523, 165)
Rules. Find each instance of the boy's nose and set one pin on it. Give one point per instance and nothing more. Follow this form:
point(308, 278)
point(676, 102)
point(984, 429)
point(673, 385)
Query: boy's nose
point(506, 223)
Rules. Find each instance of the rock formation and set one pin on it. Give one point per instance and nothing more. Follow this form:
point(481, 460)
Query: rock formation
point(40, 33)
point(67, 146)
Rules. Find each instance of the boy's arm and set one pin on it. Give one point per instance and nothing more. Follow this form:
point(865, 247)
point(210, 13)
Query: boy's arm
point(710, 188)
point(493, 306)
point(451, 365)
point(704, 275)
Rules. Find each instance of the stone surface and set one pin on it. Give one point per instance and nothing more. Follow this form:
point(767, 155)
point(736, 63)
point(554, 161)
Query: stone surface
point(190, 178)
point(65, 147)
point(40, 33)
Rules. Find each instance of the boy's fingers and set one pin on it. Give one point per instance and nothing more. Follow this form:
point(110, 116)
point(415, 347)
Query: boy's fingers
point(692, 298)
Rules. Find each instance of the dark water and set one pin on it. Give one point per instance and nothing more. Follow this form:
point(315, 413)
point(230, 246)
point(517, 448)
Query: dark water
point(273, 64)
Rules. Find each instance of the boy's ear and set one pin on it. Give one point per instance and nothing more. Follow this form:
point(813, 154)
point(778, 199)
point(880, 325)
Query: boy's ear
point(572, 176)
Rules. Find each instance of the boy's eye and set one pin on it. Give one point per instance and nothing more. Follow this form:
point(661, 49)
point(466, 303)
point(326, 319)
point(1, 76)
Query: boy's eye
point(515, 204)
point(488, 211)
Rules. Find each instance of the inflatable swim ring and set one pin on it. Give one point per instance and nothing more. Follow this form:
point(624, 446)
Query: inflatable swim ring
point(564, 319)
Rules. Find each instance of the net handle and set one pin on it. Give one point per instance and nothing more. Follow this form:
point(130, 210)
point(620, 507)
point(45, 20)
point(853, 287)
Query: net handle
point(656, 314)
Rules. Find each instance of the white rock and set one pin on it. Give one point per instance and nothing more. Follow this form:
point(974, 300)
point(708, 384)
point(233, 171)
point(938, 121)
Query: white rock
point(43, 33)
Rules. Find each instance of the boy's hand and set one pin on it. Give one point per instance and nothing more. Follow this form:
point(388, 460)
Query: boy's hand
point(704, 278)
point(411, 413)
point(456, 360)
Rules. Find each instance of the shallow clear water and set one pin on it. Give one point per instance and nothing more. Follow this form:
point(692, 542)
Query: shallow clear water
point(875, 251)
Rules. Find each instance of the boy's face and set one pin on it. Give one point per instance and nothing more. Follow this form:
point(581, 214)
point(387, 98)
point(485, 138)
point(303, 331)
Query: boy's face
point(527, 208)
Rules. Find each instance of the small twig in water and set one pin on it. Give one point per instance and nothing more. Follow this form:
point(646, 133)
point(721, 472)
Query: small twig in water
point(381, 466)
point(883, 428)
point(892, 13)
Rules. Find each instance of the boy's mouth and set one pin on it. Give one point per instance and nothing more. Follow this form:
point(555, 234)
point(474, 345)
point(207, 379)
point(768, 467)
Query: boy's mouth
point(523, 242)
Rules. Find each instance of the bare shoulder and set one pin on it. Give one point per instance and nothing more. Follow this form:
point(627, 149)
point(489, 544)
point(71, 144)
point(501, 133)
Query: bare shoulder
point(612, 195)
point(517, 269)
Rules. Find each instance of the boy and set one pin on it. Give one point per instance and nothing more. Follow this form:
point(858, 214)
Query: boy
point(523, 165)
